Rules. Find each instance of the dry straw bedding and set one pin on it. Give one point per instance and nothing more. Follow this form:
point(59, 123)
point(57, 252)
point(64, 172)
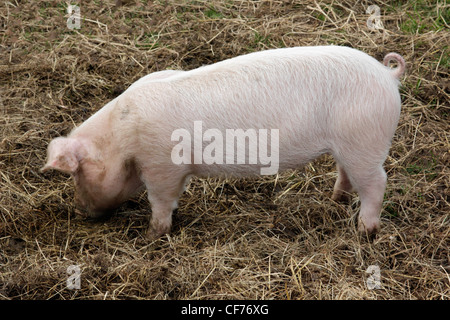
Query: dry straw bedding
point(276, 237)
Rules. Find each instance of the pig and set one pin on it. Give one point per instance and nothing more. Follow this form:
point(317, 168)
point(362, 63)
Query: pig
point(321, 100)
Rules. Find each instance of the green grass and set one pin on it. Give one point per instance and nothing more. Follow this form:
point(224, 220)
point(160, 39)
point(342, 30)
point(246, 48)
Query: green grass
point(213, 13)
point(444, 62)
point(424, 16)
point(259, 38)
point(426, 166)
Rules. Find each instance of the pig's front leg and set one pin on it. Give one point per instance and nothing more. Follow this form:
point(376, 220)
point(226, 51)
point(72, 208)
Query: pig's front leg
point(164, 189)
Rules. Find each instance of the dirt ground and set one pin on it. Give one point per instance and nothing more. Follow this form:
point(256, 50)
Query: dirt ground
point(275, 237)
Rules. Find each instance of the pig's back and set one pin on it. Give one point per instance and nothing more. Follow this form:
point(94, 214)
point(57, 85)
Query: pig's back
point(273, 86)
point(307, 93)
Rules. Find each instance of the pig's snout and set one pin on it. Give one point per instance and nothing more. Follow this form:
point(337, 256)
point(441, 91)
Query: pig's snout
point(81, 207)
point(91, 213)
point(81, 212)
point(85, 209)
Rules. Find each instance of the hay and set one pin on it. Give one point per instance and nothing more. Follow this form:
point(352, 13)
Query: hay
point(270, 238)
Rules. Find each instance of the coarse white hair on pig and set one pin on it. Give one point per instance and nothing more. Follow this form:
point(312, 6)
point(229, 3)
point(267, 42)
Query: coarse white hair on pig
point(325, 99)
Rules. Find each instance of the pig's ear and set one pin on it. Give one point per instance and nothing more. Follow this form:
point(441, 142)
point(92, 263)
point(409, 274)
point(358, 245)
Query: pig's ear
point(63, 154)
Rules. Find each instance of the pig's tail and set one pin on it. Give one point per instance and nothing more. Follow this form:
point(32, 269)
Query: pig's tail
point(400, 70)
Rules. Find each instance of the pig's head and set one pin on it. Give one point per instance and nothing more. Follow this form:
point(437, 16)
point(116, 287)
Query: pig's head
point(102, 181)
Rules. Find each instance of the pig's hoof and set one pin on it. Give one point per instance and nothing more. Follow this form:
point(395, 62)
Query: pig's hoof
point(368, 226)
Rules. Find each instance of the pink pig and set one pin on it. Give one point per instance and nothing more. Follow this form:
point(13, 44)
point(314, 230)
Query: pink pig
point(325, 99)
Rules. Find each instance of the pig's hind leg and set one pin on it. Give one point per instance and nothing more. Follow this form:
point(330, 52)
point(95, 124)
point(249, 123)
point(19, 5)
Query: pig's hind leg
point(368, 178)
point(370, 187)
point(343, 187)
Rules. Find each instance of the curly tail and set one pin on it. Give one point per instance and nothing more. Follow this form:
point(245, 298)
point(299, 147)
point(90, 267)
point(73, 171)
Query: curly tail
point(400, 70)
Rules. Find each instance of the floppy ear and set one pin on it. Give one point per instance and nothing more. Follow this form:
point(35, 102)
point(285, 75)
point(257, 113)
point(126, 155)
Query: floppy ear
point(63, 154)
